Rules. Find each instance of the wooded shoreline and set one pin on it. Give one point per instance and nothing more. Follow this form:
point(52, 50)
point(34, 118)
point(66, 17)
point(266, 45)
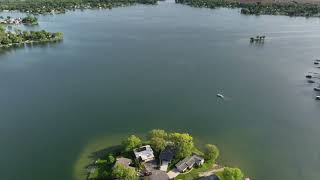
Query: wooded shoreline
point(257, 8)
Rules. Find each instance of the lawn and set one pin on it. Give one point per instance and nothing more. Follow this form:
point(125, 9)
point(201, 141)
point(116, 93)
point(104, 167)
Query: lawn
point(194, 173)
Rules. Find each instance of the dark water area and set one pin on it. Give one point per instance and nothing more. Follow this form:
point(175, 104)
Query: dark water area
point(129, 70)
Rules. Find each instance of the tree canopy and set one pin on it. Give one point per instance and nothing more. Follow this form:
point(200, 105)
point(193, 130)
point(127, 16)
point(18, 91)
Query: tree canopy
point(158, 144)
point(119, 171)
point(61, 6)
point(32, 20)
point(131, 142)
point(232, 174)
point(183, 144)
point(18, 37)
point(275, 8)
point(157, 139)
point(110, 158)
point(157, 133)
point(211, 152)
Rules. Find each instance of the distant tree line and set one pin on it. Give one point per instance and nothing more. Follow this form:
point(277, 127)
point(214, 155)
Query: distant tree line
point(287, 9)
point(61, 6)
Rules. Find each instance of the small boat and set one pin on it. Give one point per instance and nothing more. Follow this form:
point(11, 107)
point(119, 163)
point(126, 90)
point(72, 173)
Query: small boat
point(317, 97)
point(318, 60)
point(311, 81)
point(316, 63)
point(308, 76)
point(220, 95)
point(316, 89)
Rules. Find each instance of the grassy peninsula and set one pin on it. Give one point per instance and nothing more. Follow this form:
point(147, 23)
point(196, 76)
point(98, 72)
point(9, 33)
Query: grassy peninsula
point(285, 8)
point(61, 6)
point(160, 155)
point(18, 37)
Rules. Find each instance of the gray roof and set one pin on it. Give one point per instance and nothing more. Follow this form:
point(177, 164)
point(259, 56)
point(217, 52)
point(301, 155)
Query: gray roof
point(167, 154)
point(188, 162)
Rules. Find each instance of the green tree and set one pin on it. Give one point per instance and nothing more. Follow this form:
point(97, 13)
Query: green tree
point(119, 171)
point(32, 20)
point(158, 144)
point(131, 142)
point(211, 152)
point(157, 139)
point(110, 159)
point(157, 133)
point(183, 144)
point(232, 174)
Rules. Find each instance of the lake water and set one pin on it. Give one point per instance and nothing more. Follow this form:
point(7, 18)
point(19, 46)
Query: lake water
point(129, 70)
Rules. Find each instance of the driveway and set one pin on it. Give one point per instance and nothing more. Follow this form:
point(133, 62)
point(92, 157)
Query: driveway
point(173, 173)
point(152, 166)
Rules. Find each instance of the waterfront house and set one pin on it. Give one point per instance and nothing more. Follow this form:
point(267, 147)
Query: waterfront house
point(189, 162)
point(145, 153)
point(165, 157)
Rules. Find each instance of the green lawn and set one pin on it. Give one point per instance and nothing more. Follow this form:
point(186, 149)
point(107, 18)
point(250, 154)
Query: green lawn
point(194, 173)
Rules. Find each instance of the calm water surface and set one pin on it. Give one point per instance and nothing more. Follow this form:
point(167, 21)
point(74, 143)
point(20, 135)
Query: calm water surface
point(132, 69)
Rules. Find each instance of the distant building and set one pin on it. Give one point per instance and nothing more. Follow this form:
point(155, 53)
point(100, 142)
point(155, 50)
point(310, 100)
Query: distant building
point(166, 157)
point(145, 153)
point(123, 161)
point(189, 162)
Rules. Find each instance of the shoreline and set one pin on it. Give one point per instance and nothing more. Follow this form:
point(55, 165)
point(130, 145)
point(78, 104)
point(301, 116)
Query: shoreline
point(100, 160)
point(12, 45)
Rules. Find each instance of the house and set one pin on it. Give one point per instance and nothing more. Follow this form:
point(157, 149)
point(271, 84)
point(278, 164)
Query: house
point(123, 161)
point(145, 153)
point(189, 162)
point(165, 157)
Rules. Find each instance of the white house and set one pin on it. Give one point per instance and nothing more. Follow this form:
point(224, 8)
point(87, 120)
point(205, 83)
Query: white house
point(145, 153)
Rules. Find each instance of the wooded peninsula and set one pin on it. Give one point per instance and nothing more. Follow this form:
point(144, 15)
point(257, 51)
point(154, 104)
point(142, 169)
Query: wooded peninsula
point(18, 37)
point(161, 155)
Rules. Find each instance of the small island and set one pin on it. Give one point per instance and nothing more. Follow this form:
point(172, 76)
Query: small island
point(29, 20)
point(18, 37)
point(162, 156)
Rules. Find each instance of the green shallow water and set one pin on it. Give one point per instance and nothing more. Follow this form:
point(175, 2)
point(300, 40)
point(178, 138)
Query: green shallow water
point(132, 69)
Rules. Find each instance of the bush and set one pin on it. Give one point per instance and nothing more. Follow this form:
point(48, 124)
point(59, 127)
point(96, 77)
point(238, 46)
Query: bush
point(211, 152)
